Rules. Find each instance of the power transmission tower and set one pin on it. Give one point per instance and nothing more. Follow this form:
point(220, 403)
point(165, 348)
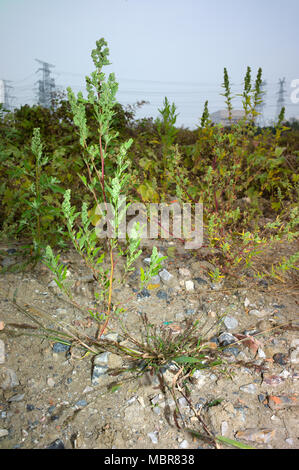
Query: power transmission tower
point(281, 96)
point(46, 86)
point(5, 94)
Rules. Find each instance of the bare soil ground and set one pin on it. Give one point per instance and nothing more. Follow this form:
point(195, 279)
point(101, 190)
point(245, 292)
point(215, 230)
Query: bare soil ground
point(47, 395)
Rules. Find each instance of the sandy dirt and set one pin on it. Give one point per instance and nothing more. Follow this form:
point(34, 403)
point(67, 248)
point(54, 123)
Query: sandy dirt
point(47, 395)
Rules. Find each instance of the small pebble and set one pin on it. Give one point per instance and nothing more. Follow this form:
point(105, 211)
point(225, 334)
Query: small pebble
point(16, 398)
point(50, 382)
point(183, 402)
point(261, 397)
point(198, 378)
point(200, 280)
point(3, 432)
point(280, 358)
point(226, 338)
point(165, 276)
point(184, 444)
point(102, 359)
point(51, 284)
point(98, 371)
point(230, 322)
point(143, 294)
point(256, 435)
point(157, 410)
point(250, 388)
point(8, 378)
point(263, 283)
point(294, 356)
point(153, 437)
point(295, 343)
point(58, 444)
point(232, 350)
point(189, 286)
point(261, 354)
point(162, 295)
point(81, 403)
point(131, 400)
point(256, 313)
point(190, 311)
point(2, 352)
point(60, 347)
point(155, 279)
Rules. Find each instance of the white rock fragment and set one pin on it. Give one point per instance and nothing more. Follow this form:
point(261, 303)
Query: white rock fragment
point(284, 374)
point(98, 372)
point(50, 382)
point(294, 356)
point(8, 378)
point(213, 377)
point(189, 286)
point(290, 441)
point(153, 437)
point(131, 400)
point(183, 402)
point(246, 303)
point(51, 284)
point(111, 337)
point(261, 354)
point(155, 279)
point(2, 352)
point(230, 322)
point(3, 432)
point(102, 359)
point(250, 388)
point(295, 343)
point(184, 444)
point(165, 276)
point(199, 378)
point(141, 401)
point(257, 313)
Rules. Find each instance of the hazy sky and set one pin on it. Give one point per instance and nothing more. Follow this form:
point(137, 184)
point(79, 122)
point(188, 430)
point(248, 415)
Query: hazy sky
point(174, 48)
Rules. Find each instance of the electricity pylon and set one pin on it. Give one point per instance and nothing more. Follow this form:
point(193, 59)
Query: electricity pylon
point(46, 86)
point(6, 97)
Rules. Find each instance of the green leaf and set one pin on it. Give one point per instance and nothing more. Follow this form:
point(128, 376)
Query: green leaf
point(187, 359)
point(232, 442)
point(279, 151)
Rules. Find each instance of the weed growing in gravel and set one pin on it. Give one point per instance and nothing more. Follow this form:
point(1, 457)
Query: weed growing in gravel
point(105, 189)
